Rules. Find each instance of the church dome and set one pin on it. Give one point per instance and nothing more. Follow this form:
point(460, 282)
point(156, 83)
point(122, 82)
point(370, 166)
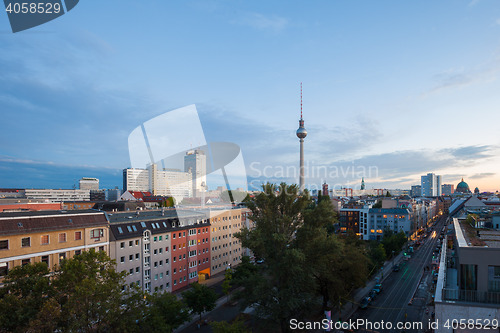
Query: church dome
point(463, 187)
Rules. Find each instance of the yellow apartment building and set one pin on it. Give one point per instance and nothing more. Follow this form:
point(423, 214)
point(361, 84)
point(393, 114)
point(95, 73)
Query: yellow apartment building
point(49, 236)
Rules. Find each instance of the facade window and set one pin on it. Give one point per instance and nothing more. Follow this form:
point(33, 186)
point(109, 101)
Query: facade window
point(4, 268)
point(78, 252)
point(122, 245)
point(78, 235)
point(130, 243)
point(62, 237)
point(97, 233)
point(155, 239)
point(131, 271)
point(136, 242)
point(44, 240)
point(159, 238)
point(25, 262)
point(4, 244)
point(122, 259)
point(26, 242)
point(101, 248)
point(137, 269)
point(161, 250)
point(137, 256)
point(62, 256)
point(45, 259)
point(131, 257)
point(175, 282)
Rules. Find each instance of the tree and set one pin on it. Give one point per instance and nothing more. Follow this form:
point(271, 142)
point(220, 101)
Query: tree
point(337, 265)
point(165, 314)
point(378, 204)
point(226, 285)
point(388, 194)
point(243, 271)
point(200, 298)
point(26, 290)
point(282, 290)
point(91, 295)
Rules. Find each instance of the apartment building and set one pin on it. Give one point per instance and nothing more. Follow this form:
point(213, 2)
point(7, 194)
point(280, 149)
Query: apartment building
point(468, 285)
point(225, 248)
point(161, 250)
point(49, 236)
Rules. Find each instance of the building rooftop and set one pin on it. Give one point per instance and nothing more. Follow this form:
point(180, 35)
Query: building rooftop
point(467, 235)
point(13, 223)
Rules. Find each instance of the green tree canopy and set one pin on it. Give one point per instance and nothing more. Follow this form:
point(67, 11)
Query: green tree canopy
point(200, 298)
point(166, 313)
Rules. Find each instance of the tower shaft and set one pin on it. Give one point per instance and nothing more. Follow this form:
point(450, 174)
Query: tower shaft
point(301, 170)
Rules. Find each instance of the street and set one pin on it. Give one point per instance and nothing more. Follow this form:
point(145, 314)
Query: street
point(410, 283)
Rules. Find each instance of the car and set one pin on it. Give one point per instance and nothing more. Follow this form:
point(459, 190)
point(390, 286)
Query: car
point(378, 288)
point(364, 302)
point(395, 268)
point(373, 294)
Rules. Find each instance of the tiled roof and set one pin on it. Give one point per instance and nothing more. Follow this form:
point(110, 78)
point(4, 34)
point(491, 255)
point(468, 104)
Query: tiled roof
point(30, 222)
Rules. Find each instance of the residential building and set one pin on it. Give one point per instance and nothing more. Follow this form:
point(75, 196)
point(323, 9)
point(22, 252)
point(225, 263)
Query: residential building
point(468, 284)
point(161, 250)
point(49, 236)
point(87, 183)
point(376, 221)
point(226, 249)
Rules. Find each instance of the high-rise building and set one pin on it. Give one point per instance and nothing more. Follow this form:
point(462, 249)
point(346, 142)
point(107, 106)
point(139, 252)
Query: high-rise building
point(447, 189)
point(87, 183)
point(362, 183)
point(301, 134)
point(195, 162)
point(431, 185)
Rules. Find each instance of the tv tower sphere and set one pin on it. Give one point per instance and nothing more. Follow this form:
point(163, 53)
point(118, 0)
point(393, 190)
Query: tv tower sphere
point(301, 132)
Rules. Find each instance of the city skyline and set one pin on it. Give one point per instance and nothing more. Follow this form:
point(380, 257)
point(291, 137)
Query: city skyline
point(407, 88)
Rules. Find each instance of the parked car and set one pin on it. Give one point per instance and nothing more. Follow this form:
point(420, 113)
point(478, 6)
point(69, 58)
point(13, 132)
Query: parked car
point(378, 288)
point(395, 268)
point(372, 294)
point(364, 302)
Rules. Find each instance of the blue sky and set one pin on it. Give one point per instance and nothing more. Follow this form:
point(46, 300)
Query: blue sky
point(405, 87)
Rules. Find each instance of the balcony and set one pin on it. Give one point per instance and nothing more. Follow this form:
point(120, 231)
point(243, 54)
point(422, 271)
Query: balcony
point(471, 296)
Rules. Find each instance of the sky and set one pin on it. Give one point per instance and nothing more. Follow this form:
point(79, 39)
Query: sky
point(392, 90)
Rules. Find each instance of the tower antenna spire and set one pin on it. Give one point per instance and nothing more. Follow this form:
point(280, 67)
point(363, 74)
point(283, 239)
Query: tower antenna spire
point(300, 100)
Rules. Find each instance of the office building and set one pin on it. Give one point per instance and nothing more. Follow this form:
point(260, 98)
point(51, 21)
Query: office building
point(195, 162)
point(448, 189)
point(51, 195)
point(431, 185)
point(87, 183)
point(173, 183)
point(416, 191)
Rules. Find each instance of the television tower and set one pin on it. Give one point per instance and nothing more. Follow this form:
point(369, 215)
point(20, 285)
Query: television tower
point(301, 134)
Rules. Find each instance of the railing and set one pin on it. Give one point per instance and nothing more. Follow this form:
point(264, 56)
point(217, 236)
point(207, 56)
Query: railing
point(472, 296)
